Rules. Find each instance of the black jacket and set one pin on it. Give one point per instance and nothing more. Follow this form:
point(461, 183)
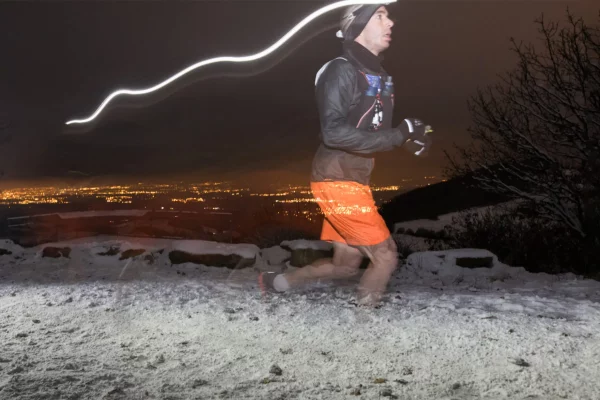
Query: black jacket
point(355, 100)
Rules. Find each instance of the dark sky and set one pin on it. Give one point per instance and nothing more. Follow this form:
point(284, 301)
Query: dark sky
point(256, 121)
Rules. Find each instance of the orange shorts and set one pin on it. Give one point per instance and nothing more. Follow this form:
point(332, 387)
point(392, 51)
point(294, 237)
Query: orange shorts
point(351, 215)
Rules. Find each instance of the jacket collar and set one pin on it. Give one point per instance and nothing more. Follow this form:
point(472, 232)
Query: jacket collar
point(363, 56)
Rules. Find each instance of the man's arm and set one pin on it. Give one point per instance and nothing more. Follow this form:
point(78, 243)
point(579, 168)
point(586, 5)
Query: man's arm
point(335, 92)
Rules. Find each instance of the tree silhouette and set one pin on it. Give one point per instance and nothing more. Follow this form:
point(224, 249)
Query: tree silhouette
point(536, 134)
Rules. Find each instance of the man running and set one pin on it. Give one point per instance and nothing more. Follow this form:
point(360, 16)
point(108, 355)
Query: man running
point(355, 99)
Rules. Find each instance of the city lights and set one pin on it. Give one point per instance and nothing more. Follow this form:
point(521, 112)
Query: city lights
point(286, 200)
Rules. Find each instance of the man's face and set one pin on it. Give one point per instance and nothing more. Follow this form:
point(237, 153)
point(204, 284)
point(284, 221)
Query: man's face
point(377, 34)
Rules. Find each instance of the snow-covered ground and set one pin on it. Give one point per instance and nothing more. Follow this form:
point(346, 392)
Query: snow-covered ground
point(96, 327)
point(446, 219)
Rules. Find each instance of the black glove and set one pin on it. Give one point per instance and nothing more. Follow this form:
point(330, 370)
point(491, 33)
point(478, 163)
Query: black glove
point(418, 147)
point(417, 136)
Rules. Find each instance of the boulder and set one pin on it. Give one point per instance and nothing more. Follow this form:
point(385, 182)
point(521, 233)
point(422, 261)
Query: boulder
point(304, 252)
point(230, 261)
point(56, 252)
point(131, 253)
point(475, 262)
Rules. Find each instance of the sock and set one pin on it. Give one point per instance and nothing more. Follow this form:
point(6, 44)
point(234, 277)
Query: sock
point(280, 283)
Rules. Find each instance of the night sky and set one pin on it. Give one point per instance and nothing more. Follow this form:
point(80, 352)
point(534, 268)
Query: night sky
point(258, 121)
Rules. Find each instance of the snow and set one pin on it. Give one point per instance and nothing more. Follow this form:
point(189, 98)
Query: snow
point(275, 255)
point(446, 219)
point(10, 246)
point(96, 327)
point(206, 247)
point(450, 256)
point(438, 269)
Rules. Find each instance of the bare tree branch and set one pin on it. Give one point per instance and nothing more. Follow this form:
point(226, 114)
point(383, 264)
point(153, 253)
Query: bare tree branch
point(536, 134)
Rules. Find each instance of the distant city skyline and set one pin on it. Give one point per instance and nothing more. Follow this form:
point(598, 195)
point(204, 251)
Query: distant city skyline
point(262, 180)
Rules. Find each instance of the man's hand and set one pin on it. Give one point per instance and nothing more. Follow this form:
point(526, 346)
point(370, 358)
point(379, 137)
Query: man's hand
point(419, 147)
point(417, 133)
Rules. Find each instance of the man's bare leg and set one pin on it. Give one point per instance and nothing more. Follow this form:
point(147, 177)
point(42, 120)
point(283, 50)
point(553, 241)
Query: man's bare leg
point(384, 261)
point(344, 264)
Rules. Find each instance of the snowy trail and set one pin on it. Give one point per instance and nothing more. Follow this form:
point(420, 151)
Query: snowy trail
point(71, 329)
point(184, 338)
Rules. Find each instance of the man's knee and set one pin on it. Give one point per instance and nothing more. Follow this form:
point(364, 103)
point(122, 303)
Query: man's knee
point(347, 256)
point(354, 260)
point(385, 253)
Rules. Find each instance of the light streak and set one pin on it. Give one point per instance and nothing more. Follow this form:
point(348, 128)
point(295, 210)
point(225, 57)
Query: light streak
point(253, 57)
point(165, 93)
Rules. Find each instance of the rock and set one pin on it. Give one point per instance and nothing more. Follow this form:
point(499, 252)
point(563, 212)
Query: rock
point(456, 386)
point(160, 359)
point(475, 262)
point(69, 300)
point(275, 255)
point(230, 261)
point(285, 351)
point(329, 386)
point(229, 310)
point(150, 366)
point(169, 388)
point(21, 335)
point(131, 253)
point(36, 321)
point(56, 252)
point(275, 370)
point(199, 382)
point(355, 391)
point(303, 257)
point(401, 381)
point(520, 362)
point(112, 251)
point(386, 392)
point(15, 370)
point(4, 252)
point(253, 318)
point(407, 371)
point(116, 391)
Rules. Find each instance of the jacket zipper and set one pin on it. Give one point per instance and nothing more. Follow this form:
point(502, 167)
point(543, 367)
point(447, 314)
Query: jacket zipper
point(365, 114)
